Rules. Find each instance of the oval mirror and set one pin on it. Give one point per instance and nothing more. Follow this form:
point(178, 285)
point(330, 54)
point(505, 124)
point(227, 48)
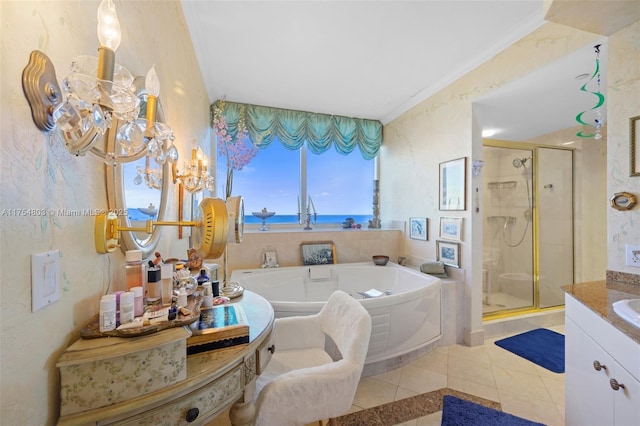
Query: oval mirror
point(137, 190)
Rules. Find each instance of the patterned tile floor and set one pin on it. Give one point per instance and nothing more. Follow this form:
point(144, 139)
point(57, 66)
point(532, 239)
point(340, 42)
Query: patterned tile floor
point(487, 374)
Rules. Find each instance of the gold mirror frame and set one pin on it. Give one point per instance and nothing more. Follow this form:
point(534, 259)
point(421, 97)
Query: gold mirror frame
point(115, 184)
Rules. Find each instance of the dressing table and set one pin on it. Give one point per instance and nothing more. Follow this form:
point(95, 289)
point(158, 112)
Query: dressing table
point(214, 380)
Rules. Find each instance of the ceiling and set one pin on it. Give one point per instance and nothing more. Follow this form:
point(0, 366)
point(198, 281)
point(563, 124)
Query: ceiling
point(377, 59)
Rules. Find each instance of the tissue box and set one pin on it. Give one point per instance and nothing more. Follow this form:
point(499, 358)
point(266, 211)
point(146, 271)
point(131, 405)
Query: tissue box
point(99, 372)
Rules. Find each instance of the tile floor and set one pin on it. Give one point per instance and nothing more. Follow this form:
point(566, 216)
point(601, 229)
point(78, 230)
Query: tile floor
point(521, 387)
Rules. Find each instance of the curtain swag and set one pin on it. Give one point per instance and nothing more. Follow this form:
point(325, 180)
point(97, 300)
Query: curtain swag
point(265, 125)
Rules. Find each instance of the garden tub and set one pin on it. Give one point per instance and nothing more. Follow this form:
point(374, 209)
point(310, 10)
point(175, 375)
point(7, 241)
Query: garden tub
point(405, 308)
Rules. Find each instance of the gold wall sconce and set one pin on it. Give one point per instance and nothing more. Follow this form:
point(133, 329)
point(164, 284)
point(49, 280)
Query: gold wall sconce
point(98, 95)
point(209, 236)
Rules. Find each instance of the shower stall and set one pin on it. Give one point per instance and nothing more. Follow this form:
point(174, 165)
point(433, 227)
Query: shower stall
point(527, 227)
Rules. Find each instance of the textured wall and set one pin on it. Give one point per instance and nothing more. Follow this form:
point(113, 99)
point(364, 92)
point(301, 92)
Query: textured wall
point(36, 174)
point(623, 102)
point(413, 149)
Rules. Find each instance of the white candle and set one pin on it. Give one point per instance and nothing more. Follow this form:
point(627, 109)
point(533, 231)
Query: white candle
point(313, 208)
point(298, 204)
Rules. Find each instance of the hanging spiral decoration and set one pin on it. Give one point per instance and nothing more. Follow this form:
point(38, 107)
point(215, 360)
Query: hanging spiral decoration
point(598, 115)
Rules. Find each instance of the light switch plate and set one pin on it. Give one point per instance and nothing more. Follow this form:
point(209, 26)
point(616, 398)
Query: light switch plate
point(632, 255)
point(45, 279)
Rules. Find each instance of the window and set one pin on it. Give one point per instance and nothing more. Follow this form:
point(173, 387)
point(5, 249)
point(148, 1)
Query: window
point(340, 186)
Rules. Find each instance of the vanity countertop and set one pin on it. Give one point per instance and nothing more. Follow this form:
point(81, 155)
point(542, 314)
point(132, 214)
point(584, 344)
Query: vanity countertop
point(599, 297)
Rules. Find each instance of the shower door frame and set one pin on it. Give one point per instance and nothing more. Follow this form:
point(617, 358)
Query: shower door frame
point(533, 147)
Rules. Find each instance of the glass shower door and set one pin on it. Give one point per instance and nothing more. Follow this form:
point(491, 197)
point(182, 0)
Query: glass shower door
point(555, 218)
point(508, 267)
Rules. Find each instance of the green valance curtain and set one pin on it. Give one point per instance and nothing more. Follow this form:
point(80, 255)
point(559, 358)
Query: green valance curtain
point(265, 125)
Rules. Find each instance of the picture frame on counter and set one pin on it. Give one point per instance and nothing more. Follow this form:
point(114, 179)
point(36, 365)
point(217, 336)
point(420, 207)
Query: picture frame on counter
point(318, 253)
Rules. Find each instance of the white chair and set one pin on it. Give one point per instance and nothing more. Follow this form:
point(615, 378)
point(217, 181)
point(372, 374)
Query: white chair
point(302, 383)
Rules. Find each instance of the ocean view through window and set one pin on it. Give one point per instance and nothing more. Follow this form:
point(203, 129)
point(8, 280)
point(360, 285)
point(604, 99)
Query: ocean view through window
point(340, 186)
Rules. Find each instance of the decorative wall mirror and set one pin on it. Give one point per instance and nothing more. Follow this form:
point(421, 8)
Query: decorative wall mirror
point(623, 201)
point(128, 193)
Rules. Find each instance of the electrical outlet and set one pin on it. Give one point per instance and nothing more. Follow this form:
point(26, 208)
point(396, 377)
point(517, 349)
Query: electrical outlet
point(633, 255)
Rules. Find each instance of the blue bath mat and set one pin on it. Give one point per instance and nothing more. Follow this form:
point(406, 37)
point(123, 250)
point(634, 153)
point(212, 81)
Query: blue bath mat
point(460, 412)
point(541, 346)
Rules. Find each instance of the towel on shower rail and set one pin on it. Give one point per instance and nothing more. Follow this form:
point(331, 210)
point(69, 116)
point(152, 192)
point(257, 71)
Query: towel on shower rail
point(320, 273)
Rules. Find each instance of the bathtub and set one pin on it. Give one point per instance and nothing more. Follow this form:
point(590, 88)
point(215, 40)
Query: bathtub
point(406, 317)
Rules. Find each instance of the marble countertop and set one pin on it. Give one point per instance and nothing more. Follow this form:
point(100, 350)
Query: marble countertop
point(599, 296)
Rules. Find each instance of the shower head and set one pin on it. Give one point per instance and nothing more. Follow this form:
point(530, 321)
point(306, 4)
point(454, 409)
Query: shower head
point(519, 162)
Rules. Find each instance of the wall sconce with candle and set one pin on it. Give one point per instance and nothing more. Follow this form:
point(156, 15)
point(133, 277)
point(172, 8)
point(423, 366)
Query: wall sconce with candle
point(195, 175)
point(96, 95)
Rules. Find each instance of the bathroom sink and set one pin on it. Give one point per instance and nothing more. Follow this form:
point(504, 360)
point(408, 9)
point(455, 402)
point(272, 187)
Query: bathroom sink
point(629, 310)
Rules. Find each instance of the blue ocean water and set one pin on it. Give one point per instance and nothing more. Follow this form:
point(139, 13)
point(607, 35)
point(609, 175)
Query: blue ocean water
point(322, 218)
point(135, 214)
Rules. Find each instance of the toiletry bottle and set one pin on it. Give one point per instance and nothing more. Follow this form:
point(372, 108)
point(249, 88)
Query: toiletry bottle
point(166, 278)
point(182, 297)
point(126, 307)
point(203, 277)
point(138, 301)
point(134, 269)
point(215, 287)
point(118, 294)
point(154, 286)
point(107, 312)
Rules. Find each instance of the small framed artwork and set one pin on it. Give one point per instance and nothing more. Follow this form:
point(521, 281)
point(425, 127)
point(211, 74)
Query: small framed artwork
point(318, 253)
point(270, 260)
point(418, 228)
point(453, 184)
point(451, 228)
point(634, 146)
point(448, 253)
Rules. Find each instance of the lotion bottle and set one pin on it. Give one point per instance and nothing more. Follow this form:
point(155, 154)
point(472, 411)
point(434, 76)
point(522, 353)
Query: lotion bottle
point(126, 307)
point(107, 312)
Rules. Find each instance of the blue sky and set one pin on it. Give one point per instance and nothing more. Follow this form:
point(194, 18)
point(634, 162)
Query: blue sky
point(337, 184)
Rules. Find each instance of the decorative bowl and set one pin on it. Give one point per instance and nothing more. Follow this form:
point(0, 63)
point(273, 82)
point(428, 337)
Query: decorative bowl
point(380, 260)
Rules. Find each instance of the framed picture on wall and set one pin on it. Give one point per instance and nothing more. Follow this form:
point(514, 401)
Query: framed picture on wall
point(451, 228)
point(448, 253)
point(418, 228)
point(634, 145)
point(453, 184)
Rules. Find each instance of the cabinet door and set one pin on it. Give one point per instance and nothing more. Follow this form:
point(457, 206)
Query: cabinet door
point(627, 399)
point(588, 396)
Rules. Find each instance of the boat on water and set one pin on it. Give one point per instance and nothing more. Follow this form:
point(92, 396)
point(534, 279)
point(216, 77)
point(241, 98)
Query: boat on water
point(149, 211)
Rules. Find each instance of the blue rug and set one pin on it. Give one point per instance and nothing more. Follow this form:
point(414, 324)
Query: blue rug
point(541, 346)
point(459, 412)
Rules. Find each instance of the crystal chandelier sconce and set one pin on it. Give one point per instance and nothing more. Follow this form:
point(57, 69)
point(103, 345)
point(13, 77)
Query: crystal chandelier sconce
point(97, 94)
point(152, 177)
point(195, 175)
